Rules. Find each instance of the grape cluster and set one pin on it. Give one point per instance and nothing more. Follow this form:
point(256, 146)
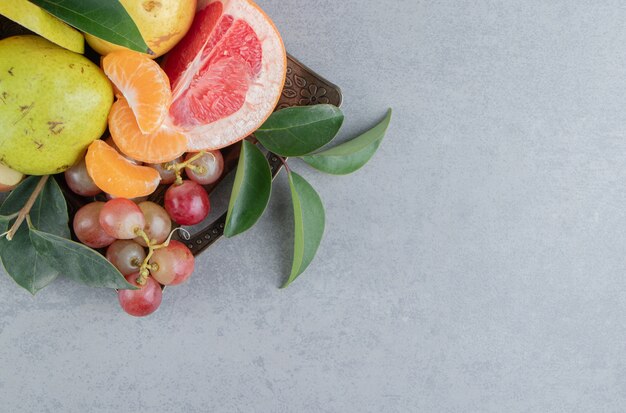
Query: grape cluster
point(137, 233)
point(186, 201)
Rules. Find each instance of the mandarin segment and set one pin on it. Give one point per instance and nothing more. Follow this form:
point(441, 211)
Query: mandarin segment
point(162, 145)
point(143, 83)
point(115, 175)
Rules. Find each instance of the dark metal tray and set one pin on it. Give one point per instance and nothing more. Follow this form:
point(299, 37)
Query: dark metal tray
point(302, 87)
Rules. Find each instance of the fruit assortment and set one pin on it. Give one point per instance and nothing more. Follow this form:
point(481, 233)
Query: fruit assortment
point(156, 134)
point(121, 125)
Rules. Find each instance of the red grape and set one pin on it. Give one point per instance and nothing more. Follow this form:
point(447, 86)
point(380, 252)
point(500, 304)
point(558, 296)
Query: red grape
point(212, 165)
point(121, 218)
point(167, 176)
point(79, 180)
point(142, 302)
point(188, 203)
point(87, 226)
point(126, 256)
point(175, 264)
point(158, 223)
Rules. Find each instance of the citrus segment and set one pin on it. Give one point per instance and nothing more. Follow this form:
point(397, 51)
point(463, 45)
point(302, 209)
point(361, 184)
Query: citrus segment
point(144, 85)
point(162, 145)
point(227, 74)
point(115, 175)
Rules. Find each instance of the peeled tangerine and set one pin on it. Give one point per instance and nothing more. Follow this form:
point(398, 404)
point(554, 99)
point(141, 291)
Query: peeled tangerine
point(116, 175)
point(160, 146)
point(54, 103)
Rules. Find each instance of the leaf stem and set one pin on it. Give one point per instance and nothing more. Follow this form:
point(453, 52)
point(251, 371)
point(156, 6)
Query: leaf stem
point(21, 216)
point(285, 164)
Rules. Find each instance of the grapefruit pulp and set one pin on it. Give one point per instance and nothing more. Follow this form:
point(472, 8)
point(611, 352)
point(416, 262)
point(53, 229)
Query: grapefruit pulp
point(227, 74)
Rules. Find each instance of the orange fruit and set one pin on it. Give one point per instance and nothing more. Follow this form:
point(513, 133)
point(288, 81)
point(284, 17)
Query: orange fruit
point(162, 145)
point(161, 23)
point(144, 85)
point(115, 175)
point(227, 74)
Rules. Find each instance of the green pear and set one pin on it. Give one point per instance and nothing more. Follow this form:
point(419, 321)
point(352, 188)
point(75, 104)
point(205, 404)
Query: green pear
point(43, 23)
point(53, 104)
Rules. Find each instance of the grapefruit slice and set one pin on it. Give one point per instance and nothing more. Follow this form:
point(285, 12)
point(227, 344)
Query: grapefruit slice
point(117, 176)
point(162, 145)
point(144, 85)
point(227, 74)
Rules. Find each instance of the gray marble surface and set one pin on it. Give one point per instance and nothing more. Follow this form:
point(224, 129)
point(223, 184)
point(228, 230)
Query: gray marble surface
point(476, 265)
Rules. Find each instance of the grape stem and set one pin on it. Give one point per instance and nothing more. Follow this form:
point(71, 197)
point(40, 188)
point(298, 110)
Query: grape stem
point(146, 267)
point(189, 163)
point(21, 216)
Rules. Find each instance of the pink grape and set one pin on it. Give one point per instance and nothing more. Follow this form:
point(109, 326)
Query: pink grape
point(188, 203)
point(121, 218)
point(79, 180)
point(142, 302)
point(158, 223)
point(211, 162)
point(126, 256)
point(167, 176)
point(175, 264)
point(87, 226)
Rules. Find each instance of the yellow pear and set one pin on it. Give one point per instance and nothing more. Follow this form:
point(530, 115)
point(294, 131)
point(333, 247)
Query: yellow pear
point(37, 20)
point(53, 104)
point(162, 24)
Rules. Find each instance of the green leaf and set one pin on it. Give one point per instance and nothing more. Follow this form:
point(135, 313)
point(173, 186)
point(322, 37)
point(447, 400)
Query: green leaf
point(251, 190)
point(300, 130)
point(78, 262)
point(24, 264)
point(18, 196)
point(107, 20)
point(49, 212)
point(4, 223)
point(352, 155)
point(309, 220)
point(21, 260)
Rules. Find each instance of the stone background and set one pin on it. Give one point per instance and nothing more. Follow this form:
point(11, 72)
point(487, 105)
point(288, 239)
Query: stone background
point(476, 265)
